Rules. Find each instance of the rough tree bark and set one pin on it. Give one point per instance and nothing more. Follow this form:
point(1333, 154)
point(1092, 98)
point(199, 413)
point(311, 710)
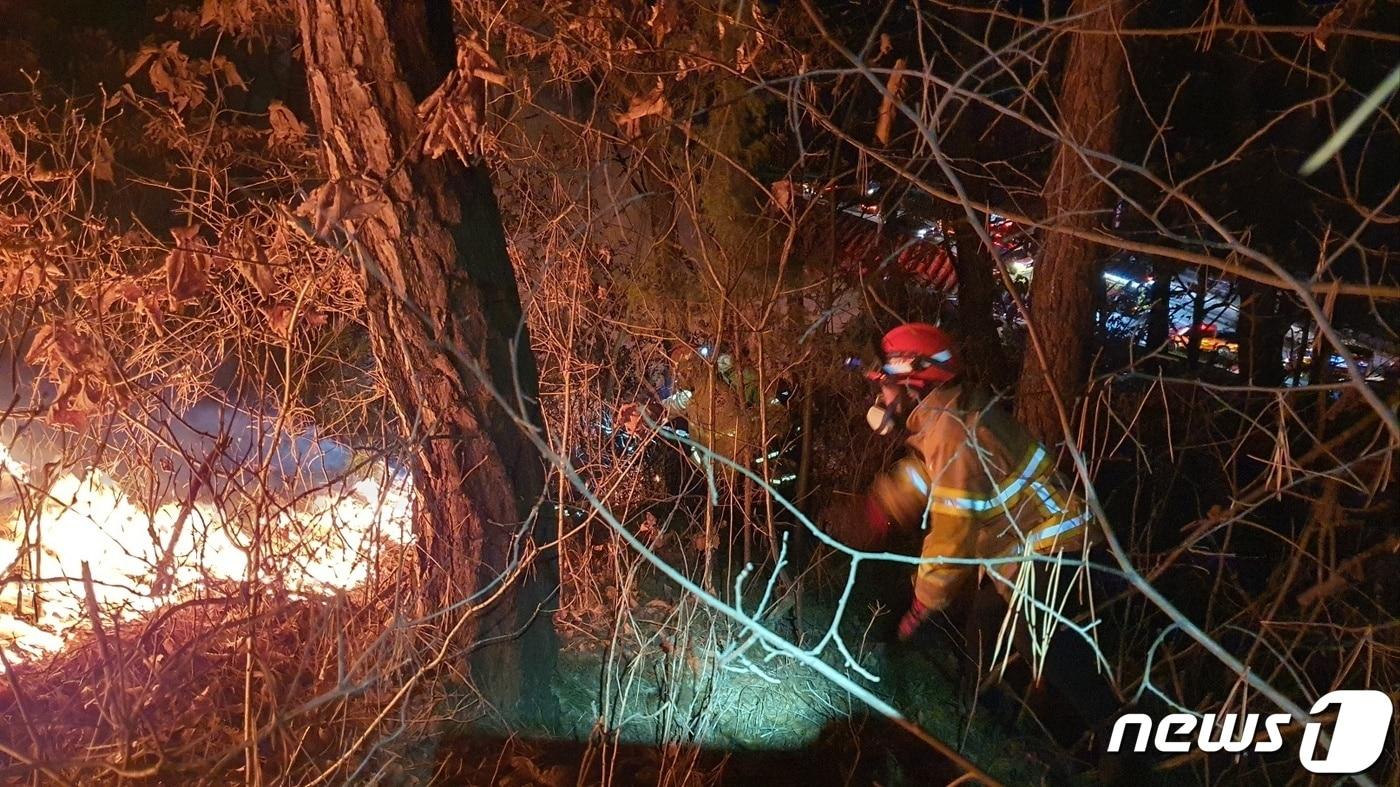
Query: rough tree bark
point(440, 245)
point(1159, 323)
point(976, 328)
point(1062, 292)
point(1261, 330)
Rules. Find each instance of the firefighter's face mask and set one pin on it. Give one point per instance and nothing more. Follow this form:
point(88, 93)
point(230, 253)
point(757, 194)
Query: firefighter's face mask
point(891, 406)
point(879, 418)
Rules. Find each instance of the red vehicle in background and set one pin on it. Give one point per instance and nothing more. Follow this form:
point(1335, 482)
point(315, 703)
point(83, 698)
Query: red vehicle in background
point(878, 240)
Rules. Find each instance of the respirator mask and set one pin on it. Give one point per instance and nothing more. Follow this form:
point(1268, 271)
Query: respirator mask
point(880, 419)
point(887, 411)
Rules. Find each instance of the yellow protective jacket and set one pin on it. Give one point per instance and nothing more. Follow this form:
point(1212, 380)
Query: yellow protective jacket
point(978, 486)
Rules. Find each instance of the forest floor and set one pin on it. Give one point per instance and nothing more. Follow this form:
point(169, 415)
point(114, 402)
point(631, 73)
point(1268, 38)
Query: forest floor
point(649, 700)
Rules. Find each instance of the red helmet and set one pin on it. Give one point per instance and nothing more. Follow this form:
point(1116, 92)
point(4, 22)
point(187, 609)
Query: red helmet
point(918, 353)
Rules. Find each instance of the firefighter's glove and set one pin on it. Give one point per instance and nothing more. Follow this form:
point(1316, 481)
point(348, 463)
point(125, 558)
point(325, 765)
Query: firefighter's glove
point(859, 523)
point(910, 624)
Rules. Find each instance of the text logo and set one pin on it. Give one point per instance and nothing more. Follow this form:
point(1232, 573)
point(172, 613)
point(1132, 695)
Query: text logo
point(1357, 738)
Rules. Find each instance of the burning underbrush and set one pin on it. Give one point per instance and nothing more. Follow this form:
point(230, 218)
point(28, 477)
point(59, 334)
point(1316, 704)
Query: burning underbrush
point(80, 549)
point(155, 641)
point(174, 697)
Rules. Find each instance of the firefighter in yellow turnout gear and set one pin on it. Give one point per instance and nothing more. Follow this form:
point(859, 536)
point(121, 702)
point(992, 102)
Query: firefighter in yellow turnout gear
point(976, 485)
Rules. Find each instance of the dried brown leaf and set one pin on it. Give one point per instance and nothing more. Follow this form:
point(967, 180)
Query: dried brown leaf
point(885, 122)
point(240, 17)
point(282, 319)
point(169, 71)
point(144, 56)
point(286, 128)
point(145, 301)
point(335, 202)
point(454, 115)
point(664, 16)
point(185, 265)
point(783, 195)
point(251, 261)
point(228, 71)
point(639, 107)
point(1326, 25)
point(10, 159)
point(103, 160)
point(30, 278)
point(279, 319)
point(67, 355)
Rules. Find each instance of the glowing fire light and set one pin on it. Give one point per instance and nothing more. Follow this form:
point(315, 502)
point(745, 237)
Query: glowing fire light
point(325, 543)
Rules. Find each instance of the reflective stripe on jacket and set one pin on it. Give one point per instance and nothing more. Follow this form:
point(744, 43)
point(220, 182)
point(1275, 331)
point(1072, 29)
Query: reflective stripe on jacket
point(977, 485)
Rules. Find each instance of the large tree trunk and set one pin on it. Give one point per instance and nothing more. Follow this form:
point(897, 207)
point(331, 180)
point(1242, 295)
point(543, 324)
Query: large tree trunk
point(1159, 318)
point(977, 292)
point(1261, 330)
point(1062, 293)
point(1198, 319)
point(438, 284)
